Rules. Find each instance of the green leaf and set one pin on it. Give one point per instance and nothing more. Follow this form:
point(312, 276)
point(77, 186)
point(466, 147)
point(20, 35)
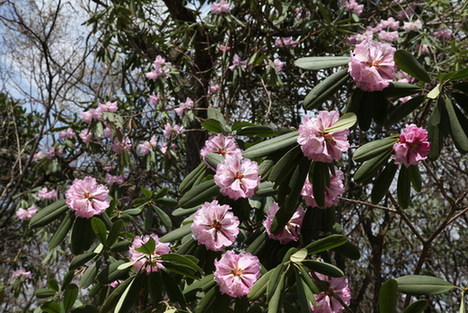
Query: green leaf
point(112, 299)
point(399, 90)
point(212, 125)
point(324, 268)
point(299, 256)
point(257, 244)
point(404, 109)
point(87, 308)
point(99, 229)
point(164, 217)
point(283, 169)
point(69, 296)
point(416, 307)
point(148, 247)
point(81, 260)
point(435, 92)
point(44, 293)
point(112, 272)
point(89, 275)
point(192, 177)
point(202, 284)
point(63, 230)
point(266, 188)
point(82, 235)
point(214, 113)
point(274, 304)
point(114, 232)
point(378, 105)
point(214, 159)
point(271, 145)
point(173, 290)
point(121, 301)
point(346, 121)
point(320, 176)
point(349, 250)
point(274, 279)
point(260, 286)
point(181, 259)
point(325, 89)
point(374, 148)
point(51, 307)
point(318, 63)
point(367, 170)
point(177, 233)
point(125, 265)
point(304, 294)
point(48, 214)
point(383, 182)
point(388, 297)
point(307, 279)
point(409, 64)
point(462, 303)
point(459, 136)
point(207, 301)
point(435, 138)
point(403, 188)
point(259, 131)
point(415, 177)
point(326, 243)
point(184, 212)
point(423, 285)
point(199, 194)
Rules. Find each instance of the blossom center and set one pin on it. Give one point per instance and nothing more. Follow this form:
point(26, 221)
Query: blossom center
point(328, 137)
point(239, 176)
point(216, 225)
point(237, 272)
point(88, 196)
point(222, 151)
point(374, 63)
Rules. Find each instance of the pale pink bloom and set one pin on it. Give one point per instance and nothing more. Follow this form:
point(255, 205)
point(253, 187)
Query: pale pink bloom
point(423, 49)
point(160, 68)
point(39, 155)
point(166, 150)
point(187, 105)
point(413, 26)
point(170, 130)
point(21, 273)
point(291, 229)
point(353, 6)
point(45, 194)
point(372, 66)
point(237, 62)
point(108, 167)
point(285, 42)
point(69, 133)
point(326, 303)
point(318, 144)
point(443, 33)
point(220, 7)
point(412, 147)
point(403, 77)
point(225, 48)
point(237, 177)
point(388, 36)
point(154, 99)
point(215, 226)
point(114, 179)
point(236, 273)
point(114, 284)
point(153, 141)
point(148, 262)
point(108, 132)
point(108, 107)
point(53, 152)
point(278, 65)
point(87, 198)
point(389, 23)
point(26, 214)
point(213, 89)
point(120, 146)
point(332, 192)
point(298, 13)
point(86, 136)
point(220, 144)
point(373, 30)
point(91, 115)
point(145, 148)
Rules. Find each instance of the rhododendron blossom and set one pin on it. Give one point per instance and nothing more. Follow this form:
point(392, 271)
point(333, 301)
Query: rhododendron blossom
point(114, 179)
point(148, 262)
point(188, 104)
point(236, 273)
point(237, 177)
point(86, 136)
point(317, 143)
point(332, 192)
point(215, 226)
point(443, 33)
point(225, 47)
point(87, 198)
point(388, 36)
point(372, 66)
point(220, 144)
point(213, 89)
point(237, 62)
point(291, 229)
point(68, 133)
point(170, 130)
point(412, 26)
point(326, 303)
point(91, 115)
point(353, 6)
point(108, 107)
point(220, 7)
point(26, 214)
point(278, 65)
point(45, 194)
point(285, 42)
point(154, 99)
point(160, 68)
point(413, 146)
point(114, 284)
point(389, 23)
point(21, 273)
point(121, 145)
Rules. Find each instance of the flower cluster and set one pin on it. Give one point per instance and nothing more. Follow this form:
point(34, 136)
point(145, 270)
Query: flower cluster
point(237, 62)
point(160, 68)
point(332, 192)
point(68, 133)
point(237, 177)
point(121, 145)
point(87, 198)
point(21, 273)
point(26, 214)
point(317, 143)
point(86, 136)
point(45, 194)
point(372, 66)
point(114, 179)
point(188, 104)
point(236, 273)
point(220, 7)
point(285, 42)
point(352, 5)
point(291, 229)
point(327, 303)
point(215, 226)
point(412, 147)
point(220, 144)
point(170, 130)
point(147, 146)
point(96, 114)
point(148, 262)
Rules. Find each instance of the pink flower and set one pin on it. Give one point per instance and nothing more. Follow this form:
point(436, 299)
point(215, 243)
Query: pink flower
point(213, 89)
point(443, 33)
point(358, 38)
point(237, 177)
point(332, 192)
point(412, 146)
point(236, 273)
point(278, 65)
point(225, 47)
point(108, 132)
point(90, 115)
point(317, 143)
point(215, 226)
point(327, 303)
point(108, 167)
point(236, 62)
point(114, 179)
point(371, 65)
point(423, 49)
point(86, 136)
point(285, 42)
point(220, 144)
point(120, 146)
point(352, 5)
point(188, 104)
point(291, 229)
point(388, 36)
point(148, 262)
point(108, 107)
point(53, 152)
point(26, 214)
point(69, 133)
point(114, 284)
point(412, 26)
point(169, 130)
point(45, 194)
point(145, 148)
point(21, 273)
point(39, 155)
point(220, 7)
point(87, 198)
point(160, 68)
point(389, 23)
point(154, 99)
